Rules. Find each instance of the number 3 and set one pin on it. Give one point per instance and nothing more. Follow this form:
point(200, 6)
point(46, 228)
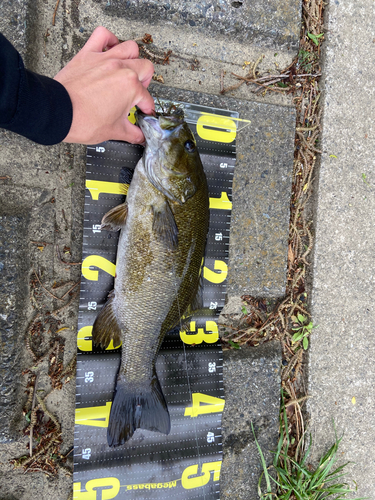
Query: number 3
point(210, 334)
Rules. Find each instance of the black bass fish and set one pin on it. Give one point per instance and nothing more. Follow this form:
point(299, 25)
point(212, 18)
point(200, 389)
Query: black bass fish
point(164, 224)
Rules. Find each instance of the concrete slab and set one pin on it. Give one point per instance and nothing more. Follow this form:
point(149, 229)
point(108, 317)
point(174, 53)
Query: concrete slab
point(13, 23)
point(14, 267)
point(199, 56)
point(275, 24)
point(342, 352)
point(252, 391)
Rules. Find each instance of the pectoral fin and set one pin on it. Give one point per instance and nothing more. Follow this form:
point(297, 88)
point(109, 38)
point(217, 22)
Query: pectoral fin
point(164, 225)
point(115, 219)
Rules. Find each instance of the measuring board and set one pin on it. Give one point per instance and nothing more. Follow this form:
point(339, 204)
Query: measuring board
point(152, 465)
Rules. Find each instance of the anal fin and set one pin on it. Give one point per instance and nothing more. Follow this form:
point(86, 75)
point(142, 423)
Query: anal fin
point(106, 327)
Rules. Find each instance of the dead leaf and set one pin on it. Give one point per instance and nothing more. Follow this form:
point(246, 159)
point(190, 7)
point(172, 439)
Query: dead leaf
point(158, 78)
point(290, 254)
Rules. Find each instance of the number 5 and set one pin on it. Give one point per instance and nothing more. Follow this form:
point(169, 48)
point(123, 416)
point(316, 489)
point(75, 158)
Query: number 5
point(196, 482)
point(91, 492)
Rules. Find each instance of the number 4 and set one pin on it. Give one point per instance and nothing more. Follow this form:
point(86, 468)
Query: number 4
point(210, 405)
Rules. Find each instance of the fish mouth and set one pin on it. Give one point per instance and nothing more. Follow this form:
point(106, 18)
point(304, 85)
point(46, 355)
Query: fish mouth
point(158, 126)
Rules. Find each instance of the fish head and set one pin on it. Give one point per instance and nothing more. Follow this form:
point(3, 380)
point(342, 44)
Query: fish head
point(171, 158)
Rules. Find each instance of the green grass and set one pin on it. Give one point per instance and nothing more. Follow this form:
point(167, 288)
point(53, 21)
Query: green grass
point(300, 481)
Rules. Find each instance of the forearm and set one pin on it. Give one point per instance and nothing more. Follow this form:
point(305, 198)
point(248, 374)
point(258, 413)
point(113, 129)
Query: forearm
point(31, 105)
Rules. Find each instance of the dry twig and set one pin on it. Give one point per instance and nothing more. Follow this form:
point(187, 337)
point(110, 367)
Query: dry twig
point(44, 288)
point(63, 261)
point(54, 12)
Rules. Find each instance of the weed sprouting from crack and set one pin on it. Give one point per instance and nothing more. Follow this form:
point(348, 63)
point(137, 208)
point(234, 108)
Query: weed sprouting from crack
point(292, 474)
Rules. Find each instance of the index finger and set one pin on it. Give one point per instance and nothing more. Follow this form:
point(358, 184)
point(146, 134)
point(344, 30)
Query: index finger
point(125, 50)
point(100, 39)
point(145, 102)
point(142, 67)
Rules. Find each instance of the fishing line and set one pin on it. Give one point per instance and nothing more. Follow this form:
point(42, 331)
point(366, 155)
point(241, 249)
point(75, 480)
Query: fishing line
point(186, 366)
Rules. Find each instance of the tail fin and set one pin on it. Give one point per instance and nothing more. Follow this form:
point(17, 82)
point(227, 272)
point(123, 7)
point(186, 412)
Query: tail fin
point(137, 406)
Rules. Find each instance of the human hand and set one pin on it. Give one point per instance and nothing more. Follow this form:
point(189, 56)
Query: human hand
point(104, 86)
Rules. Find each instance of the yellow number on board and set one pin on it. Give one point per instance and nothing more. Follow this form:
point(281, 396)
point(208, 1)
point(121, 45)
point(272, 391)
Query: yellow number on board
point(101, 263)
point(219, 276)
point(97, 187)
point(95, 416)
point(210, 334)
point(131, 116)
point(189, 482)
point(208, 124)
point(210, 405)
point(91, 493)
point(85, 344)
point(222, 203)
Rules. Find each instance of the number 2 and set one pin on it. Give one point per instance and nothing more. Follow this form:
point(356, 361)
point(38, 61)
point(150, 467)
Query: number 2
point(101, 263)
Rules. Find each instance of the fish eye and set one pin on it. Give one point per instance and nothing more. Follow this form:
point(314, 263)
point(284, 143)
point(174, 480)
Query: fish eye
point(189, 146)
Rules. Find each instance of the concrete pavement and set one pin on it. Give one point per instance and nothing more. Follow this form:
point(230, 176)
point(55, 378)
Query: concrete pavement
point(341, 357)
point(42, 197)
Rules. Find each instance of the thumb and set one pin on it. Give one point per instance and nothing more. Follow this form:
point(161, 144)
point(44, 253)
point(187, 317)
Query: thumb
point(100, 39)
point(131, 133)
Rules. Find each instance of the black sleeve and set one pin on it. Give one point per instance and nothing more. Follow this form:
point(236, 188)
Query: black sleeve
point(31, 105)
